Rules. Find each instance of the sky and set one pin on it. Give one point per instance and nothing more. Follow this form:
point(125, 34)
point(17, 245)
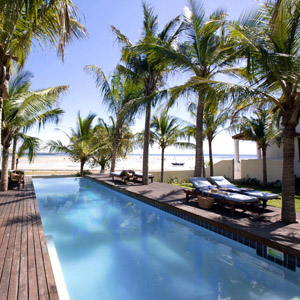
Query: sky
point(100, 48)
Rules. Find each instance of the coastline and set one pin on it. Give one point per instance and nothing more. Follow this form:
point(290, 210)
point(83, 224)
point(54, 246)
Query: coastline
point(46, 162)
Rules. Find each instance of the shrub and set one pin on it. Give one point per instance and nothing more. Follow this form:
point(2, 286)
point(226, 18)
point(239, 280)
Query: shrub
point(85, 172)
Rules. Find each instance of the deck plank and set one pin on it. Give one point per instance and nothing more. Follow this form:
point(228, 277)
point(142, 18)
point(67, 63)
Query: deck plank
point(32, 276)
point(52, 289)
point(23, 287)
point(41, 273)
point(14, 279)
point(4, 233)
point(25, 267)
point(7, 265)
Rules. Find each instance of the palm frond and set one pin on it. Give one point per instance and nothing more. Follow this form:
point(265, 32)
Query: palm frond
point(30, 144)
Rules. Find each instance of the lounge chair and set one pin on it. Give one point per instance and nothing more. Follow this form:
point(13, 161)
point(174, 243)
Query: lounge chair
point(125, 175)
point(205, 188)
point(140, 175)
point(223, 184)
point(16, 177)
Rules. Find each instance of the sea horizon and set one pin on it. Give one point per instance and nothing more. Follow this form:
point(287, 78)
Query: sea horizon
point(225, 156)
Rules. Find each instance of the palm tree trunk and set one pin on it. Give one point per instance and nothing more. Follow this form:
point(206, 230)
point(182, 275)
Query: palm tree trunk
point(199, 137)
point(4, 86)
point(4, 173)
point(1, 107)
point(162, 165)
point(288, 213)
point(211, 163)
point(146, 144)
point(14, 154)
point(265, 176)
point(102, 170)
point(82, 162)
point(116, 142)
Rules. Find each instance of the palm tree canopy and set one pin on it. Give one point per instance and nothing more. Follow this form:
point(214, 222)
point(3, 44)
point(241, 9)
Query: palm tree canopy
point(30, 144)
point(165, 130)
point(260, 128)
point(150, 72)
point(25, 109)
point(205, 51)
point(44, 22)
point(104, 136)
point(117, 92)
point(267, 42)
point(80, 147)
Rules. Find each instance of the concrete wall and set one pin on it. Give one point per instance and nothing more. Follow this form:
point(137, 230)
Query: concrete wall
point(252, 168)
point(221, 168)
point(275, 152)
point(179, 176)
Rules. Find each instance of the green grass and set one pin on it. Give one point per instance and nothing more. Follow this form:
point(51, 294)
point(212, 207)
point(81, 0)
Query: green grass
point(275, 202)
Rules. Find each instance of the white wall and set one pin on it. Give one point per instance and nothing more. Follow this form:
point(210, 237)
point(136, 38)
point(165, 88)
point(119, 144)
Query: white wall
point(274, 152)
point(221, 168)
point(252, 168)
point(180, 176)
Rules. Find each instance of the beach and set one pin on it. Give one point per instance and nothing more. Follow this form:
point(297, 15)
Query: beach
point(134, 161)
point(64, 163)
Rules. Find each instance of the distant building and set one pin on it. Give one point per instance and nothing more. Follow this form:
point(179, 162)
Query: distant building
point(252, 168)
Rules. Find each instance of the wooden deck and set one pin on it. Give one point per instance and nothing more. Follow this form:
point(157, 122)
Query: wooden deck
point(25, 267)
point(260, 224)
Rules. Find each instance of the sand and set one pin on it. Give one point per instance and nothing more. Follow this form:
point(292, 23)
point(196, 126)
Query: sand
point(64, 163)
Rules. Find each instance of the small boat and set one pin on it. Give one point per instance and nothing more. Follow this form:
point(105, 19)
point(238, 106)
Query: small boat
point(177, 164)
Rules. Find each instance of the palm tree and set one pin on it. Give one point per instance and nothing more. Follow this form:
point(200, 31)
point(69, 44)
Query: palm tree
point(166, 132)
point(213, 118)
point(30, 145)
point(268, 42)
point(18, 85)
point(23, 111)
point(105, 137)
point(23, 22)
point(116, 95)
point(149, 71)
point(80, 147)
point(263, 131)
point(203, 55)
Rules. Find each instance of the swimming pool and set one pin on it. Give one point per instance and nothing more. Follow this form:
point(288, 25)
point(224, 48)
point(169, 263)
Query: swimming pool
point(111, 246)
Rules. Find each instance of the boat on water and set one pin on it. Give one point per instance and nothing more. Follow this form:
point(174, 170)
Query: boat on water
point(177, 164)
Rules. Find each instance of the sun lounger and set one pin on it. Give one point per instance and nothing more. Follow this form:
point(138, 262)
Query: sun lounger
point(205, 188)
point(223, 184)
point(125, 175)
point(129, 175)
point(140, 175)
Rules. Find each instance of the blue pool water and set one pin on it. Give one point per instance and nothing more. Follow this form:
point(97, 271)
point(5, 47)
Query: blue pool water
point(111, 246)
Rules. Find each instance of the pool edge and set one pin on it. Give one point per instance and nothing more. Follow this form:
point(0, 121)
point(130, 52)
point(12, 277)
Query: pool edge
point(291, 256)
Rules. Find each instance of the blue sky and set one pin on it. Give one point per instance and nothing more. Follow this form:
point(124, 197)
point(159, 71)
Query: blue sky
point(101, 49)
